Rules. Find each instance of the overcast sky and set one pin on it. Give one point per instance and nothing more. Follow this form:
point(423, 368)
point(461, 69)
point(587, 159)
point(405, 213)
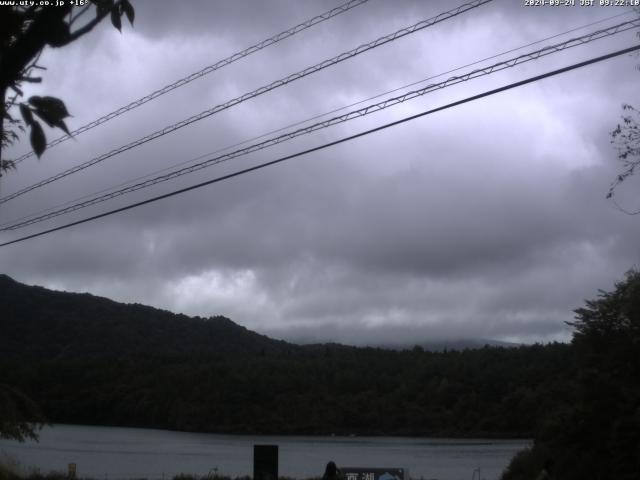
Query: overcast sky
point(488, 220)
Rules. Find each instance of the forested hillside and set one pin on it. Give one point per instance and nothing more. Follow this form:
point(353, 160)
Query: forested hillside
point(37, 324)
point(490, 391)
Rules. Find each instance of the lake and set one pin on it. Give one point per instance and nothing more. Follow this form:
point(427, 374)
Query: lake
point(120, 453)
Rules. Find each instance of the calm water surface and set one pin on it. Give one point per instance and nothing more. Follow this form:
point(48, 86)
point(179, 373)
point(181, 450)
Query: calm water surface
point(114, 453)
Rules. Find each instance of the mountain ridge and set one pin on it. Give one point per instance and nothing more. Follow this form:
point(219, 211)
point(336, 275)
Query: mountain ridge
point(37, 322)
point(154, 327)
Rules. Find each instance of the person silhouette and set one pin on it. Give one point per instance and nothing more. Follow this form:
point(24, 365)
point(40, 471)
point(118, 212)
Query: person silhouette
point(331, 472)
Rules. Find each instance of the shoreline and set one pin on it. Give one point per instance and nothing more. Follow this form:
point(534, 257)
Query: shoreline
point(438, 436)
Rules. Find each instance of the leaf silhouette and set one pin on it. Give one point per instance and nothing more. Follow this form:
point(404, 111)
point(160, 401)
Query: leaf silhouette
point(38, 140)
point(63, 126)
point(52, 105)
point(127, 8)
point(27, 116)
point(115, 19)
point(51, 110)
point(102, 6)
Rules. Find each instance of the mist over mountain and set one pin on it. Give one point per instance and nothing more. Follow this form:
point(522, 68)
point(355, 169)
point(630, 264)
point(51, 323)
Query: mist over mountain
point(379, 340)
point(81, 325)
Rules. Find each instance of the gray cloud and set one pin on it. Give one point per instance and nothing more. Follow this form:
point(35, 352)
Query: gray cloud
point(487, 220)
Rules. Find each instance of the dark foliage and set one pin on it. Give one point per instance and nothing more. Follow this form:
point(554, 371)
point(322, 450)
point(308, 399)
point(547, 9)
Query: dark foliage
point(20, 416)
point(598, 434)
point(64, 476)
point(626, 139)
point(26, 29)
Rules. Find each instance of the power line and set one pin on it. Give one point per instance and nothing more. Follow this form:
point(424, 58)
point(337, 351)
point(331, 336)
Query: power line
point(599, 34)
point(264, 89)
point(335, 120)
point(330, 144)
point(205, 71)
point(315, 117)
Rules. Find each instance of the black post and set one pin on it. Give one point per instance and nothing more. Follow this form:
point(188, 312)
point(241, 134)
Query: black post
point(265, 462)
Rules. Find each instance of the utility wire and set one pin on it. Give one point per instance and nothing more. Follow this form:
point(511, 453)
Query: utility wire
point(315, 117)
point(334, 121)
point(330, 144)
point(264, 89)
point(205, 71)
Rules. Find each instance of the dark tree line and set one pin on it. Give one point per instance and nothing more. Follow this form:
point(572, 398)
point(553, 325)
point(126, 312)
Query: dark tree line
point(490, 391)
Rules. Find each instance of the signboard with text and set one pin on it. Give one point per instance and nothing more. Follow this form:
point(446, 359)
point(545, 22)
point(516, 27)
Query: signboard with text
point(364, 473)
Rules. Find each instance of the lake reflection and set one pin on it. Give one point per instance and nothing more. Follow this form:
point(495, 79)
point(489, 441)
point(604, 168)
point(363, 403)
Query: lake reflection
point(112, 453)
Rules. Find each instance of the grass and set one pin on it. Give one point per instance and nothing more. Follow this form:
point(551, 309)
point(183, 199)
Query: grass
point(11, 470)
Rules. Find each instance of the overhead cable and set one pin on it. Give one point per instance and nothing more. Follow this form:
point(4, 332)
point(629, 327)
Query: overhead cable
point(551, 49)
point(330, 144)
point(309, 119)
point(267, 88)
point(205, 71)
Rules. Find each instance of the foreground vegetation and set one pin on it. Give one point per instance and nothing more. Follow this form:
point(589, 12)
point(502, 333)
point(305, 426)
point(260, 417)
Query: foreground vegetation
point(597, 434)
point(12, 472)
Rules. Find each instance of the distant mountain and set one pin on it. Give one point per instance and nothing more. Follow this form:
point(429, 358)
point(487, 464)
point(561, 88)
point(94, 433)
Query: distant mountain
point(458, 344)
point(37, 323)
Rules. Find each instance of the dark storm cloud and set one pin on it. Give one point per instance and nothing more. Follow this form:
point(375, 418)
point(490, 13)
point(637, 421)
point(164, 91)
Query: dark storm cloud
point(487, 220)
point(248, 21)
